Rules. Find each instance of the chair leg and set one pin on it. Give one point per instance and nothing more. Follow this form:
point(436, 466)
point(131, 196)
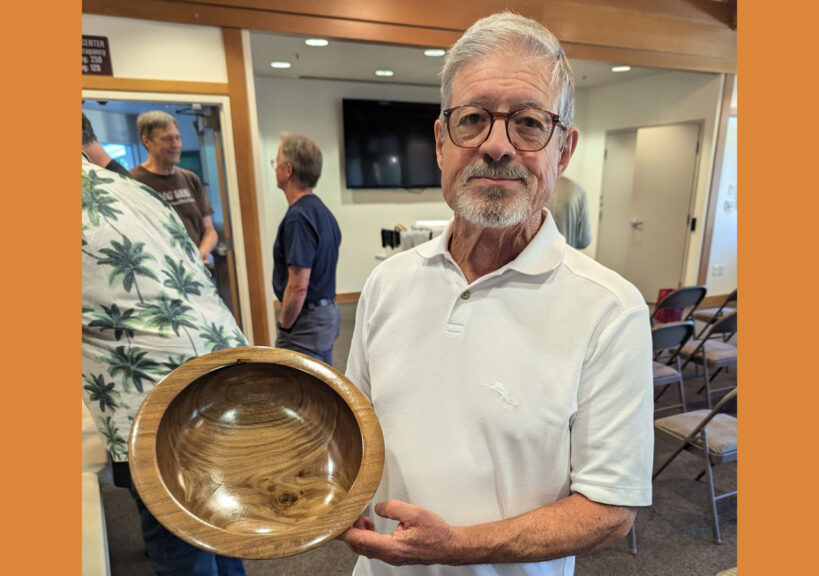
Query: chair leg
point(632, 538)
point(711, 493)
point(707, 384)
point(682, 385)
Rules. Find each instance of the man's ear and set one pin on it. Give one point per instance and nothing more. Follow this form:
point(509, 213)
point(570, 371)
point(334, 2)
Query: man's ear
point(567, 150)
point(439, 143)
point(145, 140)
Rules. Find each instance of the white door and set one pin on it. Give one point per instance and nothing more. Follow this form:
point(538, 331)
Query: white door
point(613, 231)
point(644, 235)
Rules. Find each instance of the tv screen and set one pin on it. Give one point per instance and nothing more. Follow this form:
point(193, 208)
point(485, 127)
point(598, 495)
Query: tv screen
point(390, 144)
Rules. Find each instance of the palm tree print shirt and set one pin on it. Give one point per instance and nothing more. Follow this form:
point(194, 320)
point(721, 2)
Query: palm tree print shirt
point(148, 303)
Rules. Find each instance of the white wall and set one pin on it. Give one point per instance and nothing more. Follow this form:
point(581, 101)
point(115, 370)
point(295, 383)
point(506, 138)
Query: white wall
point(313, 108)
point(160, 50)
point(665, 98)
point(722, 266)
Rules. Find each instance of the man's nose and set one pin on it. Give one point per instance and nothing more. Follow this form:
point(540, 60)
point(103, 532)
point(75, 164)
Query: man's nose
point(497, 144)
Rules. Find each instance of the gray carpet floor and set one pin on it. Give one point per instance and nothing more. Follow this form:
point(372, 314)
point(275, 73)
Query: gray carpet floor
point(673, 535)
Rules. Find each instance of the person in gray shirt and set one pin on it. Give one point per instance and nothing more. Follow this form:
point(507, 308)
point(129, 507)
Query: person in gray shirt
point(570, 208)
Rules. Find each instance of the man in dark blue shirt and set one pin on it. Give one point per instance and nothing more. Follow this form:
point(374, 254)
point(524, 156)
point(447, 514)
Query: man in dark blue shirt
point(305, 254)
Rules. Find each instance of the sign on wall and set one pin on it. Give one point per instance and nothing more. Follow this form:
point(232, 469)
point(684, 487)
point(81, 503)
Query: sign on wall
point(96, 57)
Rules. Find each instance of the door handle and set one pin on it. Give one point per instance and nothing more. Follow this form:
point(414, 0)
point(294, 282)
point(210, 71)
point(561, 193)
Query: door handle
point(636, 224)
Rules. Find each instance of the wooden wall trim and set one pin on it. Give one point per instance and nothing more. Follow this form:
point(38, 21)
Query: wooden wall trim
point(716, 176)
point(243, 150)
point(148, 85)
point(692, 35)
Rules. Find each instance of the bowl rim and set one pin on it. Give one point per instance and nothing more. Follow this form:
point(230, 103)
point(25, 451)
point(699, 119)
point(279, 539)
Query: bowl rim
point(146, 475)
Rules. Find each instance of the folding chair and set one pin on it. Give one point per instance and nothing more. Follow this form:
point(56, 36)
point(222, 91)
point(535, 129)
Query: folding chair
point(713, 354)
point(711, 315)
point(709, 434)
point(668, 340)
point(688, 297)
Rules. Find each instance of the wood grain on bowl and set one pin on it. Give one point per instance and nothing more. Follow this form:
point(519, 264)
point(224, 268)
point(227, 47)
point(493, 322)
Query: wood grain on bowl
point(256, 452)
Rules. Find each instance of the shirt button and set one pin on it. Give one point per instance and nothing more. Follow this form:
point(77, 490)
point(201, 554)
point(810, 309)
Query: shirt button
point(465, 295)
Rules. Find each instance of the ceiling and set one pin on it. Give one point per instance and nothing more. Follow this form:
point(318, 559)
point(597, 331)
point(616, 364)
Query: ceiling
point(358, 61)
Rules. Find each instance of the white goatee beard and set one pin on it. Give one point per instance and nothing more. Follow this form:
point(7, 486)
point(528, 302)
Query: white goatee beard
point(493, 207)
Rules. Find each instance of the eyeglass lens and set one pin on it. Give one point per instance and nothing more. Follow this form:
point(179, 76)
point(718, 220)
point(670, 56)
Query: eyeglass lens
point(528, 129)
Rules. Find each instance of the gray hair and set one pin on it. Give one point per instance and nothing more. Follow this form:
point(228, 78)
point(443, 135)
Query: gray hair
point(305, 157)
point(147, 122)
point(88, 135)
point(507, 31)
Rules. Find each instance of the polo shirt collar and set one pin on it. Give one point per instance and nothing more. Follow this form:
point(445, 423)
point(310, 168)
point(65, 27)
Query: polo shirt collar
point(543, 254)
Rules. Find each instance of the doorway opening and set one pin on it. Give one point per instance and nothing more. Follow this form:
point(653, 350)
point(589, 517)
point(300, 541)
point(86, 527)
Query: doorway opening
point(113, 116)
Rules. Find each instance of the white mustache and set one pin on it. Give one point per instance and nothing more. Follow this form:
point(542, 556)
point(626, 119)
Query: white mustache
point(482, 169)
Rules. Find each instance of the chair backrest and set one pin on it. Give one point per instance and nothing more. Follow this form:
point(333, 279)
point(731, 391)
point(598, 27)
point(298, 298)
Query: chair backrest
point(689, 296)
point(671, 335)
point(725, 325)
point(732, 298)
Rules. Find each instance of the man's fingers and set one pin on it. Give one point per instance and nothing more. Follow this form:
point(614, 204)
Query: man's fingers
point(364, 523)
point(367, 543)
point(395, 510)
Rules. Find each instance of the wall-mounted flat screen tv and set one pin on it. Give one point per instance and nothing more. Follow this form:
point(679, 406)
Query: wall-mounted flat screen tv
point(390, 144)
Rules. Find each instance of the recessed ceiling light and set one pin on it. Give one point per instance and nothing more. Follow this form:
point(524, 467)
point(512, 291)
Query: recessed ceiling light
point(280, 64)
point(620, 68)
point(434, 52)
point(316, 42)
point(384, 72)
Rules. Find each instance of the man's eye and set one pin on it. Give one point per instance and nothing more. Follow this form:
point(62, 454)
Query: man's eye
point(471, 119)
point(530, 123)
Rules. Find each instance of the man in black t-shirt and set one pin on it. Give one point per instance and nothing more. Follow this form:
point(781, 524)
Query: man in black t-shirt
point(181, 188)
point(305, 254)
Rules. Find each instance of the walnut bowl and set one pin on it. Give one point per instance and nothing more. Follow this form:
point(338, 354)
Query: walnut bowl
point(256, 452)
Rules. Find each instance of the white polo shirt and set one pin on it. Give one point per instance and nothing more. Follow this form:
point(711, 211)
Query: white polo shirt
point(506, 394)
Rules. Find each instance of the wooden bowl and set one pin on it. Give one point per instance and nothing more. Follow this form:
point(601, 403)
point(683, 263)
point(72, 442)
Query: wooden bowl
point(256, 452)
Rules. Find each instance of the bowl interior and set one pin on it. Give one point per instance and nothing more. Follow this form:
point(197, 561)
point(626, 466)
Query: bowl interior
point(258, 448)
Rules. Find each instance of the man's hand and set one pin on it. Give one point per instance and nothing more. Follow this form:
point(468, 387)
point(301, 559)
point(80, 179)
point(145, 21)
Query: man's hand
point(421, 537)
point(573, 525)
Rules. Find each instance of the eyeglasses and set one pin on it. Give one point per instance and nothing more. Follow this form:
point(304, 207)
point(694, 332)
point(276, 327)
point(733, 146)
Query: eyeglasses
point(170, 138)
point(528, 130)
